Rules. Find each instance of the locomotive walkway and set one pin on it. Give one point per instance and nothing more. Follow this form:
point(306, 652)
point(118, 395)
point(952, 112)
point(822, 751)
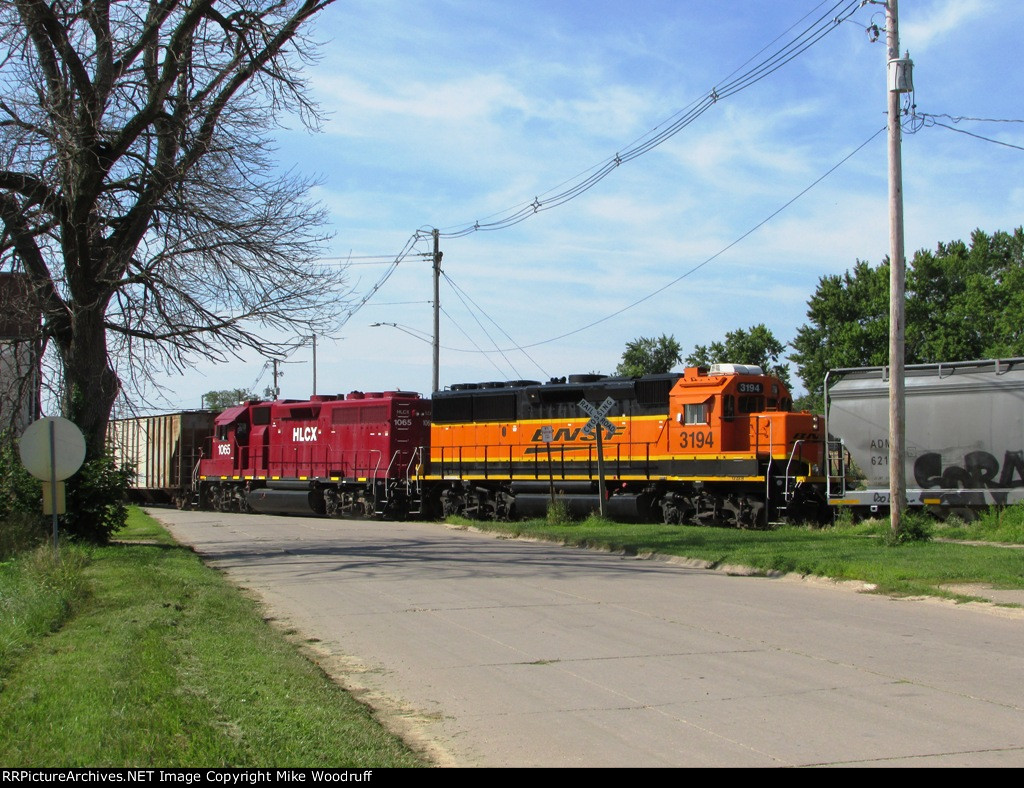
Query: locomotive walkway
point(500, 652)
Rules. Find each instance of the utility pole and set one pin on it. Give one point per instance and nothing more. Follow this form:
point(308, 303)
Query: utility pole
point(277, 391)
point(314, 364)
point(437, 310)
point(898, 81)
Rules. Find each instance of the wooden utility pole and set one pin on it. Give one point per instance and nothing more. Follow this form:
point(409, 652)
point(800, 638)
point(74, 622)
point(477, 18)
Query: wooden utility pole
point(437, 311)
point(897, 83)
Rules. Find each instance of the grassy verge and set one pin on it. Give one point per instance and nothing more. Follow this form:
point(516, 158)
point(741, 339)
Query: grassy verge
point(144, 657)
point(850, 552)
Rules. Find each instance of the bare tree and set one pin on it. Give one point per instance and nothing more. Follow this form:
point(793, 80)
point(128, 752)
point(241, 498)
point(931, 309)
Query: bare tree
point(137, 189)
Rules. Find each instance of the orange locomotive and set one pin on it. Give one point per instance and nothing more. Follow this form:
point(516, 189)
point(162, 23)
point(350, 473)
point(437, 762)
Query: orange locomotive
point(710, 445)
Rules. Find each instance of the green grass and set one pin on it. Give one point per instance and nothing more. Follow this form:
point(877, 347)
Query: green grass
point(137, 655)
point(844, 552)
point(154, 660)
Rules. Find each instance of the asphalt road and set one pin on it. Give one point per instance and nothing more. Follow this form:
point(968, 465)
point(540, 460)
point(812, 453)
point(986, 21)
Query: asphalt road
point(502, 652)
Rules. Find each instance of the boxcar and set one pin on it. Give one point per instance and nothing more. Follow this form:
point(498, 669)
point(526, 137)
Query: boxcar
point(164, 450)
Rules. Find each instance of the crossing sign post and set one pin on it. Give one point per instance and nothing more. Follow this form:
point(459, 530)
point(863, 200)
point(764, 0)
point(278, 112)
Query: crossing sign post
point(596, 426)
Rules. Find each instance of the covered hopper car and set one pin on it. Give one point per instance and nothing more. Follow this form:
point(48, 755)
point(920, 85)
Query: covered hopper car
point(964, 435)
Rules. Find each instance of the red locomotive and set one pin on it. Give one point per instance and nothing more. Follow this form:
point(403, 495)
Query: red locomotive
point(355, 455)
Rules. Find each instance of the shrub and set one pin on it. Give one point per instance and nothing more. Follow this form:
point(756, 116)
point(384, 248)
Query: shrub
point(558, 513)
point(914, 527)
point(96, 500)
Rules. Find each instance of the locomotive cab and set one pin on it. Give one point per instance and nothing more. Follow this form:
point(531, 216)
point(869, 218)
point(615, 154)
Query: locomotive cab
point(737, 408)
point(229, 441)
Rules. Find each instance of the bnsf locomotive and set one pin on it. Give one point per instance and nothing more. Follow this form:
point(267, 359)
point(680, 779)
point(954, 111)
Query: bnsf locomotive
point(715, 445)
point(718, 445)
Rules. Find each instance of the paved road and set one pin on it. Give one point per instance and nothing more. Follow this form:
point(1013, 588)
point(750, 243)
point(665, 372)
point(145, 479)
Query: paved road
point(514, 653)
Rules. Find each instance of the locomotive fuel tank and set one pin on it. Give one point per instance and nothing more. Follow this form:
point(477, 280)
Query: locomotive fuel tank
point(964, 433)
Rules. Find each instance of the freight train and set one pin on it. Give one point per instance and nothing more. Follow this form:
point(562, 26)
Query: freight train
point(717, 445)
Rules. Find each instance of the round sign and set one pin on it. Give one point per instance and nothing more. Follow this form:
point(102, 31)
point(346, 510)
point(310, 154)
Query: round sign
point(66, 456)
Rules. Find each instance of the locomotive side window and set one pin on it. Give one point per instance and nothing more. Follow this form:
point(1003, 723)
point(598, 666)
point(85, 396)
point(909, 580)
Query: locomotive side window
point(695, 414)
point(728, 407)
point(260, 417)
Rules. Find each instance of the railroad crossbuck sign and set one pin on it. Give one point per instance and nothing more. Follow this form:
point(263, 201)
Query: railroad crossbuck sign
point(597, 416)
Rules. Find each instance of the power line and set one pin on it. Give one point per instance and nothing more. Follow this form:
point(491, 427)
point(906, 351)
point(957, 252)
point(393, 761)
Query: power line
point(836, 14)
point(930, 120)
point(587, 179)
point(708, 260)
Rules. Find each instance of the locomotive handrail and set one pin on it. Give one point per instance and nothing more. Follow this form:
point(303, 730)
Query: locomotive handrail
point(792, 456)
point(414, 459)
point(768, 468)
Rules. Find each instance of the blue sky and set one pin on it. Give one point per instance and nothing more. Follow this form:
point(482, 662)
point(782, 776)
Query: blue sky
point(443, 113)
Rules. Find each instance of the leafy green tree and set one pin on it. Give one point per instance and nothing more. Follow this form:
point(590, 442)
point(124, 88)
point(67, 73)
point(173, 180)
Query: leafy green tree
point(848, 325)
point(967, 301)
point(756, 345)
point(649, 356)
point(963, 301)
point(225, 398)
point(96, 500)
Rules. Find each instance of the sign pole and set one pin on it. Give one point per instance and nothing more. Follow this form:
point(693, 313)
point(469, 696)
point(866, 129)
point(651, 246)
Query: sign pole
point(52, 449)
point(53, 487)
point(597, 423)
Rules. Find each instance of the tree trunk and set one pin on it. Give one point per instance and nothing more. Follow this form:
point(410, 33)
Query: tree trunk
point(90, 384)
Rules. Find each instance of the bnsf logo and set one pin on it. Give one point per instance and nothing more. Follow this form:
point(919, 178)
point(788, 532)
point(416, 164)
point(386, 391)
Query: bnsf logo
point(565, 435)
point(305, 434)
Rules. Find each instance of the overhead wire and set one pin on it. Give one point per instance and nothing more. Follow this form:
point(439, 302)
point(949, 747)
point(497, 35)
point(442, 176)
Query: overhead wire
point(837, 13)
point(486, 353)
point(473, 314)
point(708, 260)
point(572, 188)
point(464, 297)
point(928, 120)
